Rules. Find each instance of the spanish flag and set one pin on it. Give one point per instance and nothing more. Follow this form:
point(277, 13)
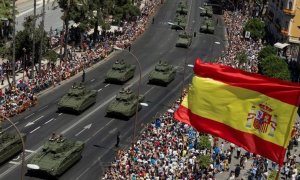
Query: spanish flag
point(249, 110)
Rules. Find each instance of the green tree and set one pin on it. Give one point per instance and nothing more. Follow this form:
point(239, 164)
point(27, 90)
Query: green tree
point(275, 67)
point(241, 57)
point(6, 15)
point(256, 27)
point(51, 55)
point(204, 142)
point(266, 51)
point(204, 161)
point(24, 41)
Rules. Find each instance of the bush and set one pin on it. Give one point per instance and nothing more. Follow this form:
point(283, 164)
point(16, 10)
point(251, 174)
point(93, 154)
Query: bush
point(52, 56)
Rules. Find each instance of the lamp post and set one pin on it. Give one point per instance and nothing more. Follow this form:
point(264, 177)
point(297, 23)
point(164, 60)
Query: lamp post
point(22, 141)
point(138, 92)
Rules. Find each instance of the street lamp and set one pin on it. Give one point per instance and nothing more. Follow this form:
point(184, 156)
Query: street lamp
point(138, 92)
point(22, 141)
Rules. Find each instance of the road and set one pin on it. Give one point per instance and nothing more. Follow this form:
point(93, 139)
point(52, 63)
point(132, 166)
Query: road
point(157, 43)
point(52, 17)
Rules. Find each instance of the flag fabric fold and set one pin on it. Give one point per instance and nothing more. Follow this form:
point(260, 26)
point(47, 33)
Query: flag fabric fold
point(249, 110)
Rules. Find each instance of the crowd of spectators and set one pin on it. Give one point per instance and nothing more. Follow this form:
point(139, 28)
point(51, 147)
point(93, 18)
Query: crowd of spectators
point(13, 101)
point(167, 149)
point(234, 22)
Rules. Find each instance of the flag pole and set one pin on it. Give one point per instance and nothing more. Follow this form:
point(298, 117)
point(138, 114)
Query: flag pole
point(278, 172)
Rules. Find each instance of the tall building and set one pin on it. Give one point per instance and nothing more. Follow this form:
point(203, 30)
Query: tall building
point(283, 24)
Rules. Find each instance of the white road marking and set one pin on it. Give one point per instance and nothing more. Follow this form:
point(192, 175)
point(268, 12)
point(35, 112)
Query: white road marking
point(60, 114)
point(84, 128)
point(13, 162)
point(29, 151)
point(49, 121)
point(29, 116)
point(106, 85)
point(35, 129)
point(8, 127)
point(31, 123)
point(15, 159)
point(92, 80)
point(43, 108)
point(99, 90)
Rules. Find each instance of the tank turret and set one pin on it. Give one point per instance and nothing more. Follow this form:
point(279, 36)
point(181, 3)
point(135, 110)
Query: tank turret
point(124, 106)
point(120, 72)
point(77, 99)
point(184, 40)
point(163, 74)
point(56, 156)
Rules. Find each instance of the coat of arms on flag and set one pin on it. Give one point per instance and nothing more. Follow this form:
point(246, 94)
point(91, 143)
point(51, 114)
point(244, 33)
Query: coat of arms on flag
point(261, 118)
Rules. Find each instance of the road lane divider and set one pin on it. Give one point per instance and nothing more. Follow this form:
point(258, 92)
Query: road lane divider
point(35, 130)
point(29, 116)
point(49, 121)
point(99, 89)
point(106, 85)
point(92, 80)
point(43, 108)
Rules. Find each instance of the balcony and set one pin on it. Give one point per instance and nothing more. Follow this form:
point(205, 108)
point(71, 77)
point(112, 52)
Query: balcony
point(284, 31)
point(290, 12)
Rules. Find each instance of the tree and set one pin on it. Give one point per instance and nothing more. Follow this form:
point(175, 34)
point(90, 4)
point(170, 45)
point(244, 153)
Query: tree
point(266, 51)
point(256, 27)
point(204, 161)
point(242, 57)
point(275, 67)
point(6, 17)
point(52, 56)
point(204, 142)
point(24, 41)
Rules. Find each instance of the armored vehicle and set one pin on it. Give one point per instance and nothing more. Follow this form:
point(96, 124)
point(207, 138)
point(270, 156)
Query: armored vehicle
point(207, 26)
point(124, 106)
point(163, 74)
point(206, 11)
point(77, 99)
point(180, 22)
point(120, 72)
point(10, 145)
point(184, 40)
point(182, 9)
point(56, 156)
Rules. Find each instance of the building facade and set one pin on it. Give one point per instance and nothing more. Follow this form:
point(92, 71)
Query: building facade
point(283, 25)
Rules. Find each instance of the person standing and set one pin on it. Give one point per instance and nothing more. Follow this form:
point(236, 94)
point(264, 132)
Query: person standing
point(118, 139)
point(83, 76)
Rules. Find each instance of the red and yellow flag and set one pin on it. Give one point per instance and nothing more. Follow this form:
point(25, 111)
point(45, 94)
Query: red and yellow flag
point(249, 110)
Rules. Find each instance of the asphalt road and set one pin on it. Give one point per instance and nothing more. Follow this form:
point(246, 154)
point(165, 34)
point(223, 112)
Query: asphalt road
point(157, 43)
point(52, 17)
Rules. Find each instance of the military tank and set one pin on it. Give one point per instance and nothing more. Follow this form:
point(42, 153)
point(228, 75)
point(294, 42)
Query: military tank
point(182, 8)
point(120, 72)
point(10, 145)
point(163, 74)
point(184, 40)
point(124, 106)
point(207, 26)
point(180, 22)
point(206, 11)
point(56, 156)
point(77, 99)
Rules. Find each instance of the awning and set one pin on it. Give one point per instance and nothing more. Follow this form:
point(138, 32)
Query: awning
point(281, 45)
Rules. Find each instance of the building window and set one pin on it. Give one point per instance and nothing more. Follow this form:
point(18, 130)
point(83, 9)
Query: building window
point(290, 4)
